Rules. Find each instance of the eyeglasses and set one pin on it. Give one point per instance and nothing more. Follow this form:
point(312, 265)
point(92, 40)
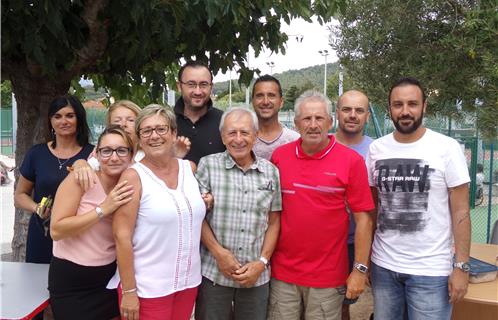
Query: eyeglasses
point(147, 132)
point(107, 152)
point(192, 84)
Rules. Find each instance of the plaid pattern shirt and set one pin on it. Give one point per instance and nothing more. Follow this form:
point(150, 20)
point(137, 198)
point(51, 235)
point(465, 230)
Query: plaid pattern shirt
point(239, 219)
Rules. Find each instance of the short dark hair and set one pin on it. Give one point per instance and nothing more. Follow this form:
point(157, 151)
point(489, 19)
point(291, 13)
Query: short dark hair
point(267, 78)
point(404, 82)
point(193, 64)
point(82, 130)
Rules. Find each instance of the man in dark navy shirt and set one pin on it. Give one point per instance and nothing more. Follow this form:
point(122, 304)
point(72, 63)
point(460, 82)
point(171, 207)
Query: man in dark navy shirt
point(196, 117)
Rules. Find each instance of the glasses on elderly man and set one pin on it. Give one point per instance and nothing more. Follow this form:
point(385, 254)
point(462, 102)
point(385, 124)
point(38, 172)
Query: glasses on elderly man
point(192, 84)
point(106, 152)
point(147, 132)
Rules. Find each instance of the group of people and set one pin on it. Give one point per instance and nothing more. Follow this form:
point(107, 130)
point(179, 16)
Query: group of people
point(242, 218)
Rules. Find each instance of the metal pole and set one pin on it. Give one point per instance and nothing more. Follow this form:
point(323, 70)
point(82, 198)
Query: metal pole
point(340, 81)
point(325, 78)
point(14, 123)
point(324, 53)
point(490, 190)
point(247, 87)
point(230, 90)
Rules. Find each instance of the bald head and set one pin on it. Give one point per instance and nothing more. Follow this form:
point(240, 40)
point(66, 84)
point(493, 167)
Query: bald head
point(353, 95)
point(352, 112)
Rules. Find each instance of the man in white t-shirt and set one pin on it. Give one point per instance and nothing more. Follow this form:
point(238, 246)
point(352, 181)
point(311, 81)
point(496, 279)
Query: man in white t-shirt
point(421, 246)
point(267, 101)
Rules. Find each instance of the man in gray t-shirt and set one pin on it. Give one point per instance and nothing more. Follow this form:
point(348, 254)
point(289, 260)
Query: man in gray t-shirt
point(267, 101)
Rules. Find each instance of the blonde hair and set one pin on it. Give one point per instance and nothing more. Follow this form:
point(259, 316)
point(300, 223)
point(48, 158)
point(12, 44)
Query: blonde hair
point(152, 110)
point(122, 104)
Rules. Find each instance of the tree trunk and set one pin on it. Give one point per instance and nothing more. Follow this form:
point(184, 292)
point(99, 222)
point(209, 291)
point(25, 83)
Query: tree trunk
point(33, 95)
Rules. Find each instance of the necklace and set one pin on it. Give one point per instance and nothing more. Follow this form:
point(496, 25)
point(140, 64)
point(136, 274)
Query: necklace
point(62, 163)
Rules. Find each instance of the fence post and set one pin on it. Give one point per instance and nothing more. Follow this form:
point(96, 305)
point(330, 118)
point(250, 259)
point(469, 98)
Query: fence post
point(473, 171)
point(490, 190)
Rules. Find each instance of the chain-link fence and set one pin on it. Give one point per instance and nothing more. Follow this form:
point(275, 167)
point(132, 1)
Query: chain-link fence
point(482, 161)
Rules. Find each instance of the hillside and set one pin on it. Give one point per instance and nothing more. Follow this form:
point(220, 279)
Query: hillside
point(290, 78)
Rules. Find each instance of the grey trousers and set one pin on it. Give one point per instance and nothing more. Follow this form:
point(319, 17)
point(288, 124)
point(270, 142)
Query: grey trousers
point(215, 302)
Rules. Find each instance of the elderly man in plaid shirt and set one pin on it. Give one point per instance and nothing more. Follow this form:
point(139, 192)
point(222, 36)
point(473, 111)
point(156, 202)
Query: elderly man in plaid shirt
point(241, 232)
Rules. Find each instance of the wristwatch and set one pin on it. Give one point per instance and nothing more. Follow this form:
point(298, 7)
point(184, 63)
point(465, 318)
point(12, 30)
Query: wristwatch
point(464, 266)
point(264, 260)
point(360, 267)
point(100, 212)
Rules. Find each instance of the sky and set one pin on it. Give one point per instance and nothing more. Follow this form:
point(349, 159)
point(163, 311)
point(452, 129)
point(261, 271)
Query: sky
point(298, 54)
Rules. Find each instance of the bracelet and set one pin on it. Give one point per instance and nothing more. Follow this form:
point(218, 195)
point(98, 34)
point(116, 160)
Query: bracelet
point(128, 291)
point(264, 261)
point(100, 212)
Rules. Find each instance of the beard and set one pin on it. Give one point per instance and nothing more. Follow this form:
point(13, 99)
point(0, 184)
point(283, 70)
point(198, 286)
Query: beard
point(189, 101)
point(417, 122)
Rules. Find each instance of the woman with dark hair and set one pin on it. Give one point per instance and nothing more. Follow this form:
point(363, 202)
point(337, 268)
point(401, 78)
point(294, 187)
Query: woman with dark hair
point(81, 226)
point(45, 166)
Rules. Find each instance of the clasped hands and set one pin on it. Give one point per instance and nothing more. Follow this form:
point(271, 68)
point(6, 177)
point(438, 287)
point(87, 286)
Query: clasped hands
point(246, 275)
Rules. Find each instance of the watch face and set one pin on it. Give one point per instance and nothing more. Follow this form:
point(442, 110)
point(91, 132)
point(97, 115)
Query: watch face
point(361, 268)
point(464, 266)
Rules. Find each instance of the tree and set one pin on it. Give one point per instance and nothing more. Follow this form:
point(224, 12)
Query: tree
point(333, 85)
point(290, 97)
point(450, 45)
point(128, 46)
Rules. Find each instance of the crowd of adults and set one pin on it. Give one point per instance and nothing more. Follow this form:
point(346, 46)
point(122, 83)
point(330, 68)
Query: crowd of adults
point(238, 217)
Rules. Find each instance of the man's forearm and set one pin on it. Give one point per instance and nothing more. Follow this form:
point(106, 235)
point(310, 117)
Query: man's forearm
point(271, 235)
point(208, 239)
point(460, 218)
point(363, 237)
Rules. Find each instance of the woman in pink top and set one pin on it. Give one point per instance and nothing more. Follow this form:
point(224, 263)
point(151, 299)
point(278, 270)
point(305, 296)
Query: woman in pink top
point(84, 257)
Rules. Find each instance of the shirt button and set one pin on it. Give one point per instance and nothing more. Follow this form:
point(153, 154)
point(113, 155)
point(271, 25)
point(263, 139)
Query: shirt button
point(243, 211)
point(193, 127)
point(245, 191)
point(241, 230)
point(240, 248)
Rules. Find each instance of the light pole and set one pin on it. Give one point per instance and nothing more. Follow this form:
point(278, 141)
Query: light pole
point(340, 80)
point(324, 53)
point(271, 64)
point(299, 37)
point(230, 90)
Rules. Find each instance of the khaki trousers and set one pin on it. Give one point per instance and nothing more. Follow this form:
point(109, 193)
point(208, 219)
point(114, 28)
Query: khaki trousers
point(292, 302)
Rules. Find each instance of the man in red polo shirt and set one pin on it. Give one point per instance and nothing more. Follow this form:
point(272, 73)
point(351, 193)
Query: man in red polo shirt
point(318, 176)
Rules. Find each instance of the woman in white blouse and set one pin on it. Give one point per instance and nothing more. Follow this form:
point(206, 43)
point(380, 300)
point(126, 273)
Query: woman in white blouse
point(157, 233)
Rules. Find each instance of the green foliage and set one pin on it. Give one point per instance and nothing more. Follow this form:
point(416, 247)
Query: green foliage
point(450, 46)
point(129, 45)
point(6, 94)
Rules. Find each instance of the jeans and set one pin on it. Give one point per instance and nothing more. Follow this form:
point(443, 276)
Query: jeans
point(420, 297)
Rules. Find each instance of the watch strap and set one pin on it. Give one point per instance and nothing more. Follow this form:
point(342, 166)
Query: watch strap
point(360, 267)
point(100, 212)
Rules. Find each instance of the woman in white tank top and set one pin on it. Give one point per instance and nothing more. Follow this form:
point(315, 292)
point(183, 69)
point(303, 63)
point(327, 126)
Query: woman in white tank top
point(157, 233)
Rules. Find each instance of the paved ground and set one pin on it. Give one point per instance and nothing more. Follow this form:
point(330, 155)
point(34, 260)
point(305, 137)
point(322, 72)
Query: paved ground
point(7, 213)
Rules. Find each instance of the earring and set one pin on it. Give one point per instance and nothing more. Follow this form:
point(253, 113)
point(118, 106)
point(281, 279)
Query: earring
point(53, 133)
